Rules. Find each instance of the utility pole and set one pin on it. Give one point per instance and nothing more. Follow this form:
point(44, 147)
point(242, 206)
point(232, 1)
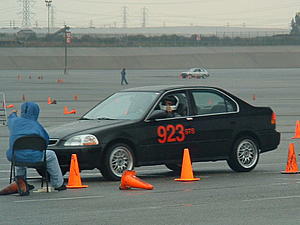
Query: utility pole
point(67, 40)
point(91, 24)
point(124, 16)
point(144, 17)
point(48, 5)
point(52, 16)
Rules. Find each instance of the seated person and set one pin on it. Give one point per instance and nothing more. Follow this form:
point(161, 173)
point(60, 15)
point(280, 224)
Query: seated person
point(27, 124)
point(169, 104)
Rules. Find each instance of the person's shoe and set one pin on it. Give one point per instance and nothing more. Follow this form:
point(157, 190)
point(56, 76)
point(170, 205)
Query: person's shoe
point(30, 187)
point(61, 188)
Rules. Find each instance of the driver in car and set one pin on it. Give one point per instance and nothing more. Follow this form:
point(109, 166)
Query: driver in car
point(169, 104)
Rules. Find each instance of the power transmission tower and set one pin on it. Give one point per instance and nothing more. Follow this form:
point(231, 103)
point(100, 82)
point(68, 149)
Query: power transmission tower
point(145, 11)
point(124, 16)
point(26, 12)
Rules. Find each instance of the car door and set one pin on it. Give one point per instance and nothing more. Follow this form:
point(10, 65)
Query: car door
point(196, 72)
point(166, 138)
point(214, 117)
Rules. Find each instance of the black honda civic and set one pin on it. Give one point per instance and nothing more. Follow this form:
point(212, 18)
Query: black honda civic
point(152, 125)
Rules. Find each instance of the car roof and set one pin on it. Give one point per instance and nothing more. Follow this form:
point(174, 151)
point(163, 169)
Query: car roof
point(163, 88)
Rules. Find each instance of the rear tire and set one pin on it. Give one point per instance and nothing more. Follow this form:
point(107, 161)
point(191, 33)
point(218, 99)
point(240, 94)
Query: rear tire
point(245, 155)
point(118, 158)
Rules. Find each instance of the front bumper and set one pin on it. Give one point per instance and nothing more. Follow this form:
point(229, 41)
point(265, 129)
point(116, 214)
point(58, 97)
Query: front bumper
point(88, 158)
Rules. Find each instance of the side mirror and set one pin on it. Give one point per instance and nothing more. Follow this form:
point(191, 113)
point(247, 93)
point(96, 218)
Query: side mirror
point(157, 114)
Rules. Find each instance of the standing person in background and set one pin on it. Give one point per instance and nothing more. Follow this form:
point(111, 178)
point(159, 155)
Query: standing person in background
point(123, 76)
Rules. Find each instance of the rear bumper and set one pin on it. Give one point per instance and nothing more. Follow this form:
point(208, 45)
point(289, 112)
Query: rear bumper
point(269, 140)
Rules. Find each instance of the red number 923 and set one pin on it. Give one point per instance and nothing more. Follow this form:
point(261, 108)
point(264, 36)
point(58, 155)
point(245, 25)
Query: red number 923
point(170, 133)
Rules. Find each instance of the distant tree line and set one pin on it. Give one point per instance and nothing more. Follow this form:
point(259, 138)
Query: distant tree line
point(295, 25)
point(153, 41)
point(30, 39)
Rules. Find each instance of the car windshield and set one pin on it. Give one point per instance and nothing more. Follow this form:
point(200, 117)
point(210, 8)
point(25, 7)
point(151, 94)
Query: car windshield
point(123, 105)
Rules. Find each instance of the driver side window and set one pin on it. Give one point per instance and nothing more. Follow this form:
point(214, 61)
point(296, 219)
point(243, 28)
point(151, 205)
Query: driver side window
point(174, 104)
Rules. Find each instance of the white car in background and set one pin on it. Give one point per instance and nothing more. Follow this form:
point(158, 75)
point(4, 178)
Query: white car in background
point(195, 73)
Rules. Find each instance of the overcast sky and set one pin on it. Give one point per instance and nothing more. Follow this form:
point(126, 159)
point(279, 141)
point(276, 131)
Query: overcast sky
point(110, 13)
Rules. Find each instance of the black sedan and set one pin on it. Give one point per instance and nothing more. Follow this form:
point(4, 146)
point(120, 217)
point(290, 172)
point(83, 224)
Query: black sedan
point(139, 127)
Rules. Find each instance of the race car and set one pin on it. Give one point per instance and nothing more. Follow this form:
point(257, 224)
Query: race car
point(133, 128)
point(194, 73)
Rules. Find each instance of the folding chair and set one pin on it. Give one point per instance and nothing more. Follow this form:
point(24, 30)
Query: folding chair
point(33, 142)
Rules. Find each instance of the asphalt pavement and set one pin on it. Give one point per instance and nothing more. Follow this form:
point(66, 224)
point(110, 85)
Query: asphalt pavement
point(220, 197)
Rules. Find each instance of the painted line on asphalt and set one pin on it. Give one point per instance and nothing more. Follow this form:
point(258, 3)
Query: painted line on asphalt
point(280, 184)
point(269, 164)
point(287, 178)
point(271, 198)
point(58, 199)
point(182, 205)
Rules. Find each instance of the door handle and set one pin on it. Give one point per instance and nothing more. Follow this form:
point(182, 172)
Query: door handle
point(189, 118)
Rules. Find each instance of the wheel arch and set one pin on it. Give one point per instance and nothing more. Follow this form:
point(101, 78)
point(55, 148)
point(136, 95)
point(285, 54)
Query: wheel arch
point(249, 134)
point(121, 140)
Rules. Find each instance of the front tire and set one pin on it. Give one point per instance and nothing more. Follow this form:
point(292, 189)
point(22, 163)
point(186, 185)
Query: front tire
point(118, 158)
point(245, 155)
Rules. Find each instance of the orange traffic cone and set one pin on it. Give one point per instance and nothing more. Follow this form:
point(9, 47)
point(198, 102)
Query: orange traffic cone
point(73, 111)
point(66, 111)
point(297, 130)
point(253, 97)
point(10, 106)
point(74, 177)
point(75, 97)
point(186, 169)
point(291, 165)
point(129, 180)
point(50, 101)
point(59, 81)
point(10, 189)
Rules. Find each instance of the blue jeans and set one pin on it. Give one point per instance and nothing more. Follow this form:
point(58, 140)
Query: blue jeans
point(56, 177)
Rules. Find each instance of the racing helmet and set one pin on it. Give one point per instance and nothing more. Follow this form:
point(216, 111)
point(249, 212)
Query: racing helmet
point(170, 98)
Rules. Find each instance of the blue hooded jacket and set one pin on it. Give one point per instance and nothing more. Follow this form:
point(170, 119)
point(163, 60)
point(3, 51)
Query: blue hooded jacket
point(27, 124)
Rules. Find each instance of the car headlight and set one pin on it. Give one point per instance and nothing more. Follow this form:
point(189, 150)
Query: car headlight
point(81, 140)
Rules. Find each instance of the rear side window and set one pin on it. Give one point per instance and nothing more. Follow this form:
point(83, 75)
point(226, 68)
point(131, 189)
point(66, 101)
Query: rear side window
point(207, 102)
